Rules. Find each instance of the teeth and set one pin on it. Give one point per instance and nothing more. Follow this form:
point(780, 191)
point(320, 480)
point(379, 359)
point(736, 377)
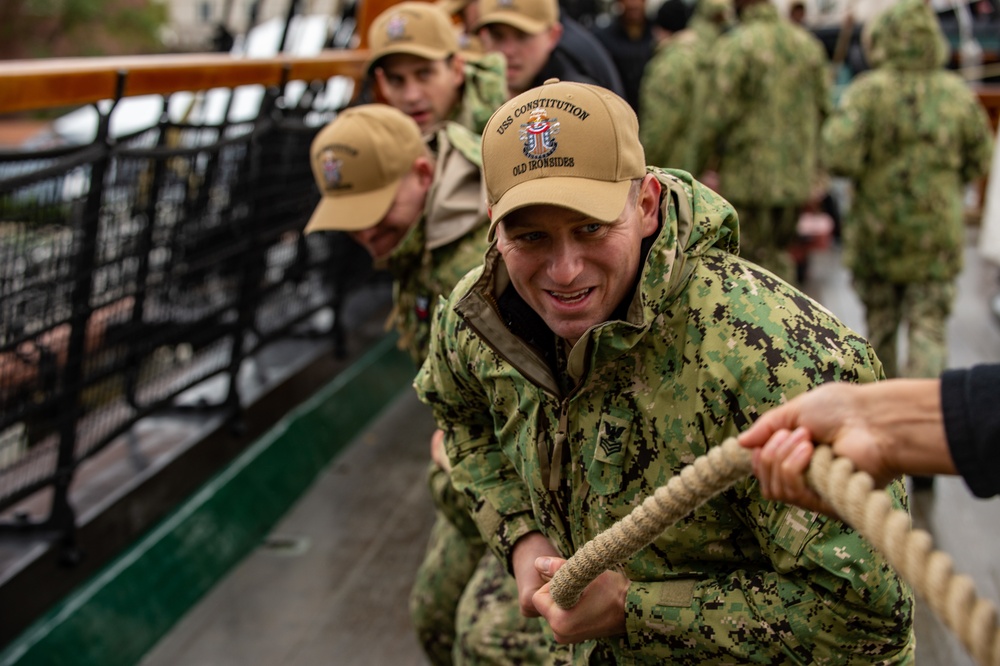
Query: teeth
point(574, 296)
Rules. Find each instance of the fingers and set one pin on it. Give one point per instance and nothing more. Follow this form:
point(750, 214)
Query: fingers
point(763, 461)
point(780, 467)
point(548, 566)
point(767, 426)
point(790, 463)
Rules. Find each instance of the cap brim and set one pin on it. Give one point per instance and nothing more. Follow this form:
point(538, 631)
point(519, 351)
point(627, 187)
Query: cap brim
point(598, 199)
point(352, 212)
point(519, 21)
point(426, 52)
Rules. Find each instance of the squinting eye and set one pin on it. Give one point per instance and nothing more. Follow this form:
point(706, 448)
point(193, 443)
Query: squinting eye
point(591, 228)
point(530, 236)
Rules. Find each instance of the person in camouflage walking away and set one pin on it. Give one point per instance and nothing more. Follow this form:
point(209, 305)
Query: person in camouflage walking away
point(770, 96)
point(416, 205)
point(611, 336)
point(909, 135)
point(416, 62)
point(676, 84)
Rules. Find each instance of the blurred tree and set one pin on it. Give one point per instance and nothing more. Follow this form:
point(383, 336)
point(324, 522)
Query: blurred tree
point(68, 28)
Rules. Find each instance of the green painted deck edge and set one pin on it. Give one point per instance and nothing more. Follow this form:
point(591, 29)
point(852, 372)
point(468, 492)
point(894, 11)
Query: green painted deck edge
point(117, 616)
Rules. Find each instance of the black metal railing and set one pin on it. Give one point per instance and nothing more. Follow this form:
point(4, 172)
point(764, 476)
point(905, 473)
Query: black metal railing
point(137, 267)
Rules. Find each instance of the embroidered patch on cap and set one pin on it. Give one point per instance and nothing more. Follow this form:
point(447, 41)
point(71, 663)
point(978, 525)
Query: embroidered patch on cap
point(538, 134)
point(332, 175)
point(396, 27)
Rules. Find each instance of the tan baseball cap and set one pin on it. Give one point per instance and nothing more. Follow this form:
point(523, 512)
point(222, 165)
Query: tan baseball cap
point(452, 7)
point(530, 16)
point(573, 145)
point(358, 160)
point(416, 28)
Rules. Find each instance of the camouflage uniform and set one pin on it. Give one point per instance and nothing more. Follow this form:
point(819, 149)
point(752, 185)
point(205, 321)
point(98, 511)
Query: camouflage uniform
point(675, 85)
point(485, 89)
point(569, 445)
point(764, 115)
point(909, 135)
point(449, 240)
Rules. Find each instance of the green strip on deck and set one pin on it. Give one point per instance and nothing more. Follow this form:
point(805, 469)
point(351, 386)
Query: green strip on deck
point(117, 616)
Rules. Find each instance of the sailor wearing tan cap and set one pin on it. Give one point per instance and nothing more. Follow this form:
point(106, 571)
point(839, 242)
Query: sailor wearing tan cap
point(611, 336)
point(421, 213)
point(539, 45)
point(415, 58)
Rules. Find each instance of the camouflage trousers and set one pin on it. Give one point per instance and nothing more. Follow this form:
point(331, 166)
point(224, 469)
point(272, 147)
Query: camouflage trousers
point(924, 308)
point(464, 607)
point(490, 627)
point(767, 234)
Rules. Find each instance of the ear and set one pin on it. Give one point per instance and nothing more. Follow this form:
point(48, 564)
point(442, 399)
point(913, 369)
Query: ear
point(458, 69)
point(423, 167)
point(380, 80)
point(498, 233)
point(555, 34)
point(649, 205)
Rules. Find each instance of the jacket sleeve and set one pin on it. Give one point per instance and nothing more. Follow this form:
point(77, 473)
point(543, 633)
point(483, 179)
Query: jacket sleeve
point(664, 104)
point(498, 499)
point(845, 135)
point(725, 103)
point(977, 142)
point(972, 425)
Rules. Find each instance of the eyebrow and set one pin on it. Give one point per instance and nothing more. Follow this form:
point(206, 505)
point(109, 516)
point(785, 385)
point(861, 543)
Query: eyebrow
point(518, 220)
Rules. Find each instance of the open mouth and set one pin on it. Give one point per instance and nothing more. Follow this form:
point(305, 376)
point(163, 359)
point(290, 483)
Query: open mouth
point(572, 297)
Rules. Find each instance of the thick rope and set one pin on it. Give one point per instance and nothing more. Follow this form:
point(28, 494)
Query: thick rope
point(853, 496)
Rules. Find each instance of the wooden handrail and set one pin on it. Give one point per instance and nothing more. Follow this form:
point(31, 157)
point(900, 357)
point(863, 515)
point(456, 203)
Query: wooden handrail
point(27, 85)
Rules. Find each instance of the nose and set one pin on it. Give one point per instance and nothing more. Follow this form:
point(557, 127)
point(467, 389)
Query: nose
point(505, 45)
point(565, 263)
point(411, 91)
point(364, 236)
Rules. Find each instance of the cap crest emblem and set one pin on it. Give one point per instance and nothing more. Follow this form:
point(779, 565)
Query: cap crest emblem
point(332, 175)
point(396, 27)
point(538, 134)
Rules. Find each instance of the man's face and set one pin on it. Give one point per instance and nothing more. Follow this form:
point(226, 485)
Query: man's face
point(574, 270)
point(425, 90)
point(526, 54)
point(404, 212)
point(633, 11)
point(470, 15)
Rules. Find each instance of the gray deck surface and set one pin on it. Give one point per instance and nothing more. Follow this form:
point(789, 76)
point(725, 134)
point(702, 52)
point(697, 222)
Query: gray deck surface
point(331, 587)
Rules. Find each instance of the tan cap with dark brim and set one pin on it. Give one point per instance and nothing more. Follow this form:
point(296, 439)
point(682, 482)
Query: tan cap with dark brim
point(358, 161)
point(530, 16)
point(413, 28)
point(572, 145)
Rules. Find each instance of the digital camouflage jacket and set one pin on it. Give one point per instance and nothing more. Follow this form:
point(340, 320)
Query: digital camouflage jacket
point(763, 116)
point(447, 242)
point(673, 93)
point(485, 89)
point(909, 134)
point(708, 343)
